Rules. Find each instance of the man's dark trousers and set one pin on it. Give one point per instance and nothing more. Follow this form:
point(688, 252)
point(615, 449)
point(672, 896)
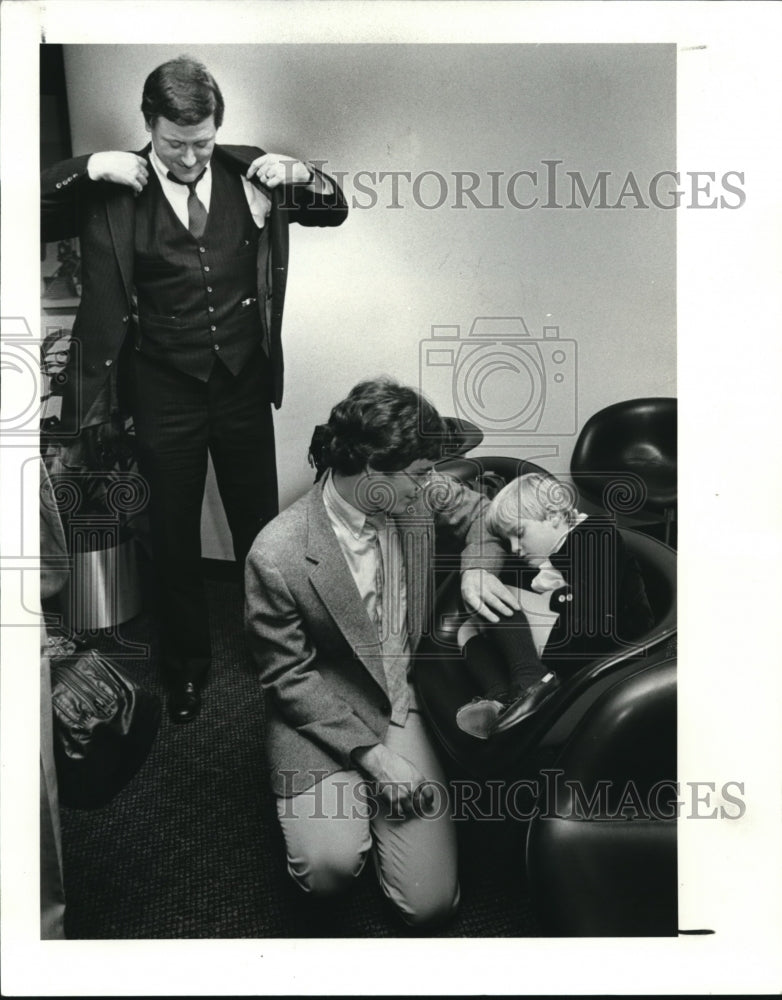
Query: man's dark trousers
point(179, 420)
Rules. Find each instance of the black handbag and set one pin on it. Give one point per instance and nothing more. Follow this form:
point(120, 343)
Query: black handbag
point(104, 727)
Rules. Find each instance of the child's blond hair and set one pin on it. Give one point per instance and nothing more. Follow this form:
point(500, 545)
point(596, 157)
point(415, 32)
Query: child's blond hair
point(535, 496)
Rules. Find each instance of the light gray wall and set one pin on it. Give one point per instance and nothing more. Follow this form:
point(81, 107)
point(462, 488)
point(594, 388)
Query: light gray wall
point(363, 297)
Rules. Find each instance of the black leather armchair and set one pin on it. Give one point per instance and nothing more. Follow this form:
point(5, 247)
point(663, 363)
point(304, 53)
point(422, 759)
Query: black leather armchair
point(603, 861)
point(613, 721)
point(444, 685)
point(625, 461)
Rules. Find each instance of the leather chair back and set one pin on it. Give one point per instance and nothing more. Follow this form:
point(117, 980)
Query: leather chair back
point(625, 456)
point(601, 851)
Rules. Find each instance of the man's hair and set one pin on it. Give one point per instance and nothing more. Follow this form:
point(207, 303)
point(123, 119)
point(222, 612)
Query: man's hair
point(383, 425)
point(183, 91)
point(533, 496)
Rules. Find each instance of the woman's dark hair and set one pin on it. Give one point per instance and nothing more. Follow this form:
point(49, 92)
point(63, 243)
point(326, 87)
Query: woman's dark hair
point(380, 424)
point(183, 91)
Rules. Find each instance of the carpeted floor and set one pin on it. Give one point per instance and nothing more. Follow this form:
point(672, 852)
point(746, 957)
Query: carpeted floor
point(191, 848)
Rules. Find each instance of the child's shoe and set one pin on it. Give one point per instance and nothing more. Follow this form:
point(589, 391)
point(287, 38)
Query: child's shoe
point(534, 697)
point(478, 717)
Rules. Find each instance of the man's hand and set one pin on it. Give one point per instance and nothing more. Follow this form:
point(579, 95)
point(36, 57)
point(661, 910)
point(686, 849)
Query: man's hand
point(119, 168)
point(485, 594)
point(273, 169)
point(399, 781)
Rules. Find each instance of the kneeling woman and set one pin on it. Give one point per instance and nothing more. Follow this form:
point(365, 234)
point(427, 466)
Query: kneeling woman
point(582, 595)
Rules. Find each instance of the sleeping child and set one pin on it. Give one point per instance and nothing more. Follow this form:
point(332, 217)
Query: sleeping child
point(582, 595)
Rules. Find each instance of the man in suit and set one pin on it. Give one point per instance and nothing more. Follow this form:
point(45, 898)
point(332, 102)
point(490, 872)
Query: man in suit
point(185, 250)
point(339, 591)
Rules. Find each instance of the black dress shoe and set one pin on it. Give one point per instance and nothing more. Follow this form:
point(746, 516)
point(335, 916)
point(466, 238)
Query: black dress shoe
point(534, 697)
point(184, 701)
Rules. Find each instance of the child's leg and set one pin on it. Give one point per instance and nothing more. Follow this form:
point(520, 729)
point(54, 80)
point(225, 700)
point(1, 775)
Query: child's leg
point(486, 667)
point(511, 640)
point(489, 674)
point(502, 660)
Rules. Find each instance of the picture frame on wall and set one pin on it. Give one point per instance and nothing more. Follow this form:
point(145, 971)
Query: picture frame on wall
point(61, 275)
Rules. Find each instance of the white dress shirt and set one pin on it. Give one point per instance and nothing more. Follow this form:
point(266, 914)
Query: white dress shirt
point(177, 194)
point(382, 587)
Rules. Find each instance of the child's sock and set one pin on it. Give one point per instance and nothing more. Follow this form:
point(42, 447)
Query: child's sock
point(487, 669)
point(513, 644)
